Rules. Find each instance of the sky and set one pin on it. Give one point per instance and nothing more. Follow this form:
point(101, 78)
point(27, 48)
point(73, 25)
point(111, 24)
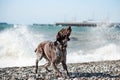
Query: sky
point(51, 11)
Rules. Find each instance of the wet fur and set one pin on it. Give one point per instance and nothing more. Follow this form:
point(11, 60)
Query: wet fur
point(54, 52)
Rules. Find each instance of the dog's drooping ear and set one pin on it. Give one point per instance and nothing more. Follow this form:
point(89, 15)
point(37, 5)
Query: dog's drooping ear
point(58, 36)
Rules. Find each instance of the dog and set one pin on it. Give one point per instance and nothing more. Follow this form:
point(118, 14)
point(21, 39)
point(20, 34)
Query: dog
point(54, 52)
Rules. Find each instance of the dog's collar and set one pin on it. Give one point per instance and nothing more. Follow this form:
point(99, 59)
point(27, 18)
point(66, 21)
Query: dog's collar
point(58, 43)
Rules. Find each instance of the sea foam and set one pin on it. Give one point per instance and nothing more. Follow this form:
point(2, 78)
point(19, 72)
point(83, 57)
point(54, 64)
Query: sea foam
point(107, 52)
point(17, 45)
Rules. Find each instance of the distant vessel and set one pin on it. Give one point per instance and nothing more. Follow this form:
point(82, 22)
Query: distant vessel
point(85, 24)
point(88, 24)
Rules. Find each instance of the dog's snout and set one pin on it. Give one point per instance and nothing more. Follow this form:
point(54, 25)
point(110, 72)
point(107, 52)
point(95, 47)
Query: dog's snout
point(68, 39)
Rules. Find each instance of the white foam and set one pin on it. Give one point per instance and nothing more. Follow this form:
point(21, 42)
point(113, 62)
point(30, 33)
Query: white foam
point(107, 52)
point(17, 46)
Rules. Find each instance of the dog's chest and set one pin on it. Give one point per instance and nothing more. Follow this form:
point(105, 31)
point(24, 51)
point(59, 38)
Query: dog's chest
point(60, 55)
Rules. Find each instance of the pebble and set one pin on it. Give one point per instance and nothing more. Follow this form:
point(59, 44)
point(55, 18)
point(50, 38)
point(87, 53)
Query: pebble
point(31, 78)
point(105, 70)
point(75, 79)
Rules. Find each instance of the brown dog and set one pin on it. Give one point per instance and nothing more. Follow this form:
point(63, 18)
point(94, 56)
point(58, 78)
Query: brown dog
point(54, 52)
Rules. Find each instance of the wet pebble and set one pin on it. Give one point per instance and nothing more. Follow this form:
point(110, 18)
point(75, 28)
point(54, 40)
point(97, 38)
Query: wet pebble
point(105, 70)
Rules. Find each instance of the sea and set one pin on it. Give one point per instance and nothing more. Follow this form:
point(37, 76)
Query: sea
point(18, 42)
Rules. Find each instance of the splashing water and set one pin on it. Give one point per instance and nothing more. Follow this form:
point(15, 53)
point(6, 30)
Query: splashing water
point(17, 44)
point(17, 47)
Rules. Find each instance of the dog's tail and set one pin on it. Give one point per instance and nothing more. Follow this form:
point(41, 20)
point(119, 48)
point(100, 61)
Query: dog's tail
point(35, 49)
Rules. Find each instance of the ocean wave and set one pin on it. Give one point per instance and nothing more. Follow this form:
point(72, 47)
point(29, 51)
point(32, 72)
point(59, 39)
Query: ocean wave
point(17, 44)
point(107, 52)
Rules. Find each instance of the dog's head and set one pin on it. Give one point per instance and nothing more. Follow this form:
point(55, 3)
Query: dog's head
point(63, 35)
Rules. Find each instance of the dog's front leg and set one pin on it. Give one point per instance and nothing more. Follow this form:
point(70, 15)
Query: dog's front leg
point(65, 67)
point(39, 57)
point(56, 69)
point(46, 66)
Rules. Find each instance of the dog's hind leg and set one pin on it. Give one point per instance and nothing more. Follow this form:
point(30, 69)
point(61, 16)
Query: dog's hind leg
point(36, 67)
point(39, 57)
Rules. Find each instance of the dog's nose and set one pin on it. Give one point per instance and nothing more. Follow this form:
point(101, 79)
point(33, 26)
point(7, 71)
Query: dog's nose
point(68, 39)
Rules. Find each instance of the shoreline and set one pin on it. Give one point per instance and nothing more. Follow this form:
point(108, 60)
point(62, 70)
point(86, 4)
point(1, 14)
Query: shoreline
point(78, 71)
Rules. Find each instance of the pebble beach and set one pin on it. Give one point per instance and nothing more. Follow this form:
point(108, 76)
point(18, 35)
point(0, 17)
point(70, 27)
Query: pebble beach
point(102, 70)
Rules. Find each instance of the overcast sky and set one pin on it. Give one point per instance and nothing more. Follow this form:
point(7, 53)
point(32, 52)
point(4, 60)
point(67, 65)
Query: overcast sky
point(51, 11)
